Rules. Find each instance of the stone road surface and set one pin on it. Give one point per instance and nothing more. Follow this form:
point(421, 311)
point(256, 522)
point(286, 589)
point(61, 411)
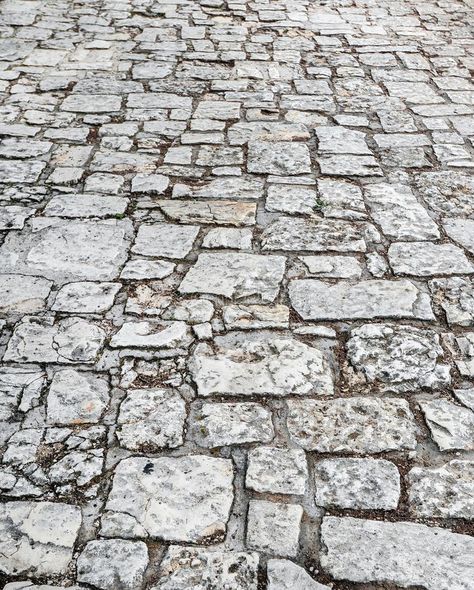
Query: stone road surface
point(236, 297)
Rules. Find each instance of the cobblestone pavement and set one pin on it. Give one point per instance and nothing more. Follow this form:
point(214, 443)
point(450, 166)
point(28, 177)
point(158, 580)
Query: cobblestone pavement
point(237, 310)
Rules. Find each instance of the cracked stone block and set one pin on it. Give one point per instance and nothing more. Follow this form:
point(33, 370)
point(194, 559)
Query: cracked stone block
point(17, 171)
point(447, 192)
point(228, 237)
point(212, 212)
point(76, 398)
point(318, 300)
point(151, 419)
point(152, 335)
point(425, 259)
point(357, 484)
point(277, 470)
point(37, 538)
point(86, 297)
point(255, 317)
point(461, 231)
point(464, 359)
point(183, 499)
point(40, 340)
point(358, 425)
point(219, 425)
point(110, 563)
point(443, 492)
point(196, 568)
point(402, 553)
point(315, 235)
point(150, 183)
point(341, 199)
point(456, 296)
point(283, 574)
point(235, 275)
point(341, 267)
point(451, 426)
point(193, 311)
point(278, 157)
point(268, 366)
point(400, 216)
point(14, 217)
point(273, 527)
point(147, 269)
point(20, 389)
point(68, 250)
point(399, 357)
point(165, 240)
point(291, 199)
point(23, 294)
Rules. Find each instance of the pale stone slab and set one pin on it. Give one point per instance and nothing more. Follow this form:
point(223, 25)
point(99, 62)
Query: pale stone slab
point(447, 192)
point(451, 426)
point(357, 425)
point(340, 140)
point(255, 317)
point(340, 267)
point(14, 217)
point(278, 157)
point(274, 527)
point(184, 499)
point(358, 484)
point(461, 231)
point(152, 335)
point(270, 366)
point(277, 470)
point(20, 388)
point(456, 297)
point(318, 300)
point(291, 199)
point(37, 538)
point(283, 574)
point(164, 240)
point(23, 294)
point(235, 275)
point(86, 297)
point(403, 553)
point(19, 171)
point(147, 269)
point(211, 212)
point(425, 259)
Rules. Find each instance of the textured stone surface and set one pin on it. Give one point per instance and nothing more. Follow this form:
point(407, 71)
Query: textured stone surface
point(426, 259)
point(283, 574)
point(277, 471)
point(451, 426)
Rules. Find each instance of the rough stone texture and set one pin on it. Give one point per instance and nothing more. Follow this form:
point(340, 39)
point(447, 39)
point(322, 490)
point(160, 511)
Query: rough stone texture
point(283, 574)
point(277, 471)
point(426, 259)
point(403, 553)
point(23, 294)
point(451, 426)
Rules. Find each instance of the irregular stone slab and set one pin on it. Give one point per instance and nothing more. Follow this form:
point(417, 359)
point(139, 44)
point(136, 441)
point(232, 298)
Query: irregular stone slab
point(318, 300)
point(357, 425)
point(165, 240)
point(451, 426)
point(147, 269)
point(27, 585)
point(197, 568)
point(291, 199)
point(76, 397)
point(23, 294)
point(17, 171)
point(403, 553)
point(456, 297)
point(400, 357)
point(40, 340)
point(151, 419)
point(184, 499)
point(315, 235)
point(461, 231)
point(396, 210)
point(277, 471)
point(152, 335)
point(228, 237)
point(115, 562)
point(339, 140)
point(231, 188)
point(283, 574)
point(414, 92)
point(217, 109)
point(86, 297)
point(465, 396)
point(274, 527)
point(340, 267)
point(150, 183)
point(358, 484)
point(445, 492)
point(91, 103)
point(242, 132)
point(212, 212)
point(349, 165)
point(123, 162)
point(14, 217)
point(20, 388)
point(278, 157)
point(270, 366)
point(255, 317)
point(424, 259)
point(447, 192)
point(235, 275)
point(219, 425)
point(67, 250)
point(464, 357)
point(341, 199)
point(37, 538)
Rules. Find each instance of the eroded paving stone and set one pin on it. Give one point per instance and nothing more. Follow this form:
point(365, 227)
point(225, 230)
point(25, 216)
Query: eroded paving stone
point(443, 492)
point(212, 212)
point(277, 470)
point(359, 484)
point(37, 538)
point(341, 267)
point(184, 499)
point(23, 294)
point(255, 317)
point(451, 426)
point(20, 389)
point(235, 275)
point(164, 240)
point(456, 297)
point(461, 231)
point(86, 297)
point(447, 192)
point(426, 259)
point(267, 366)
point(283, 574)
point(318, 300)
point(197, 568)
point(358, 425)
point(152, 335)
point(399, 357)
point(151, 419)
point(113, 563)
point(403, 553)
point(278, 157)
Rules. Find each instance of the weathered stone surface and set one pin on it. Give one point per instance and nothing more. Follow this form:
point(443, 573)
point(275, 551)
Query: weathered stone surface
point(235, 275)
point(37, 538)
point(398, 357)
point(278, 157)
point(447, 192)
point(340, 267)
point(274, 527)
point(283, 574)
point(147, 269)
point(461, 231)
point(184, 499)
point(358, 425)
point(152, 335)
point(151, 419)
point(20, 388)
point(115, 562)
point(277, 470)
point(198, 568)
point(254, 317)
point(212, 212)
point(23, 294)
point(403, 553)
point(19, 171)
point(318, 300)
point(164, 240)
point(451, 426)
point(359, 484)
point(86, 297)
point(443, 492)
point(14, 217)
point(269, 366)
point(291, 199)
point(456, 297)
point(425, 259)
